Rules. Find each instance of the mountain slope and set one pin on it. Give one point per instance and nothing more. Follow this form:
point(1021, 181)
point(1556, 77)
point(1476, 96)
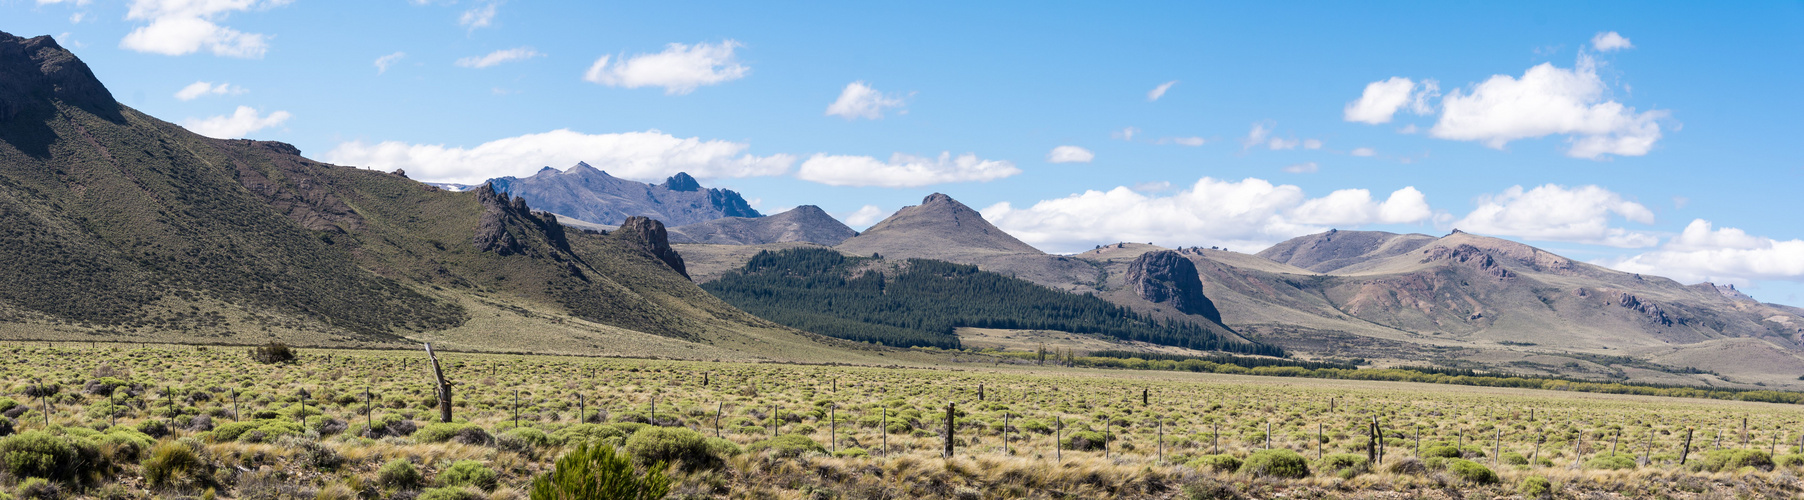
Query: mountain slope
point(122, 227)
point(806, 223)
point(941, 228)
point(591, 195)
point(1335, 249)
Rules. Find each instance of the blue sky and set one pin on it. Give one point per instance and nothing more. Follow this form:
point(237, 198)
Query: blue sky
point(1651, 137)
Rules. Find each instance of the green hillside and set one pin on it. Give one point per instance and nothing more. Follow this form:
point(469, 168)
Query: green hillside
point(921, 302)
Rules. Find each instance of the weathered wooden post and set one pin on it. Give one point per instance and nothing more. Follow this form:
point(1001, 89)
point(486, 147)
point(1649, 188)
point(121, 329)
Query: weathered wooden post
point(1539, 438)
point(1372, 441)
point(1108, 432)
point(951, 409)
point(580, 409)
point(302, 415)
point(832, 428)
point(1145, 396)
point(1058, 438)
point(1318, 440)
point(1418, 440)
point(1613, 441)
point(235, 415)
point(369, 412)
point(44, 400)
point(517, 409)
point(719, 406)
point(980, 392)
point(1161, 440)
point(1215, 437)
point(444, 387)
point(112, 404)
point(1497, 444)
point(1744, 432)
point(1005, 444)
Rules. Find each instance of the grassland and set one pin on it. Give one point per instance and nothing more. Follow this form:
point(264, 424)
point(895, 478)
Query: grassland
point(1070, 433)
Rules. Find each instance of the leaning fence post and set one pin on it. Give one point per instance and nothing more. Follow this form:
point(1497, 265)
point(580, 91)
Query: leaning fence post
point(1687, 449)
point(717, 409)
point(1497, 444)
point(369, 413)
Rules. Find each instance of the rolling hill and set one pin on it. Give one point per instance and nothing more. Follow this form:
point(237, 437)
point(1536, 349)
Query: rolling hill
point(806, 223)
point(122, 227)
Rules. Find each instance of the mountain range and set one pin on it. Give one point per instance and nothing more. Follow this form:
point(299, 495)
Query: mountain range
point(591, 195)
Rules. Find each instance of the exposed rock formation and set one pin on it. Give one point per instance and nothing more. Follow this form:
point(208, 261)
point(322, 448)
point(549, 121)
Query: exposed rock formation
point(504, 225)
point(1168, 278)
point(649, 235)
point(37, 68)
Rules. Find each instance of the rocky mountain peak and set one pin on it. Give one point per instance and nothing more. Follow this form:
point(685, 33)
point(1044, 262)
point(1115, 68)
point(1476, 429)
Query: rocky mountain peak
point(33, 70)
point(682, 182)
point(1166, 277)
point(938, 224)
point(649, 235)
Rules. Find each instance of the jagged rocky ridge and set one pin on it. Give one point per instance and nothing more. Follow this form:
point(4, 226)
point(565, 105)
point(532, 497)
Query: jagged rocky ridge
point(591, 195)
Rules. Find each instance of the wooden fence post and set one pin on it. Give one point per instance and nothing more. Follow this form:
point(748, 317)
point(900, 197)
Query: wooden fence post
point(1687, 450)
point(1058, 436)
point(951, 413)
point(719, 406)
point(1318, 440)
point(444, 387)
point(369, 412)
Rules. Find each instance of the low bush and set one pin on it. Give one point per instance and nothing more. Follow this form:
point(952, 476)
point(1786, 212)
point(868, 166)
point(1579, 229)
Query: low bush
point(598, 473)
point(1441, 451)
point(1471, 471)
point(723, 448)
point(41, 454)
point(439, 432)
point(272, 353)
point(1513, 458)
point(1084, 441)
point(1407, 466)
point(1218, 463)
point(1792, 460)
point(1535, 487)
point(1344, 461)
point(671, 445)
point(1275, 463)
point(447, 493)
point(36, 488)
point(1610, 462)
point(852, 452)
point(588, 433)
point(1731, 460)
point(400, 474)
point(787, 445)
point(469, 473)
point(170, 463)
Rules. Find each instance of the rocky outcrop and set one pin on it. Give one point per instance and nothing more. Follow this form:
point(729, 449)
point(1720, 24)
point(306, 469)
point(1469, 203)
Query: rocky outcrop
point(506, 225)
point(37, 69)
point(649, 235)
point(1165, 277)
point(1471, 256)
point(1652, 311)
point(804, 223)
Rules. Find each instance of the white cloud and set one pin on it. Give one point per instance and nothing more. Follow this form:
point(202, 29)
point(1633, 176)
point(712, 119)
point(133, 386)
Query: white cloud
point(479, 17)
point(1546, 101)
point(1255, 136)
point(1363, 152)
point(1703, 253)
point(1312, 144)
point(902, 170)
point(861, 101)
point(1303, 168)
point(1183, 141)
point(1249, 214)
point(679, 68)
point(1556, 213)
point(1126, 134)
point(1610, 42)
point(1159, 91)
point(77, 3)
point(1070, 154)
point(198, 89)
point(1152, 187)
point(498, 57)
point(865, 216)
point(1261, 135)
point(382, 63)
point(178, 27)
point(240, 123)
point(1382, 99)
point(645, 156)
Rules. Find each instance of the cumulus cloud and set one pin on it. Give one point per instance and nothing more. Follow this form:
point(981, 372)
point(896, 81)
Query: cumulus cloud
point(179, 27)
point(1382, 99)
point(865, 216)
point(239, 124)
point(1070, 154)
point(1261, 135)
point(197, 90)
point(498, 57)
point(1704, 253)
point(647, 156)
point(1610, 42)
point(861, 101)
point(1251, 213)
point(1557, 213)
point(1159, 91)
point(382, 63)
point(902, 170)
point(680, 68)
point(1548, 100)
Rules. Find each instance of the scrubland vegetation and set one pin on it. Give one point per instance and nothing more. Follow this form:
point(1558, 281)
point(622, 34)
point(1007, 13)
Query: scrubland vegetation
point(117, 422)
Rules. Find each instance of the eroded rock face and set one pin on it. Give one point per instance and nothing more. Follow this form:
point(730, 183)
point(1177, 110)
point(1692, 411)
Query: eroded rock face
point(1166, 277)
point(37, 68)
point(1472, 256)
point(1652, 311)
point(499, 212)
point(649, 235)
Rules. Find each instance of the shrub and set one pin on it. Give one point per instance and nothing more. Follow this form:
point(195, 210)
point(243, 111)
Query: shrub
point(153, 428)
point(669, 445)
point(7, 404)
point(439, 432)
point(469, 473)
point(6, 427)
point(1085, 441)
point(40, 454)
point(400, 474)
point(1442, 451)
point(852, 452)
point(1792, 460)
point(127, 444)
point(169, 462)
point(447, 493)
point(587, 433)
point(1471, 471)
point(1513, 458)
point(596, 473)
point(272, 353)
point(1729, 460)
point(1276, 463)
point(1344, 461)
point(723, 448)
point(529, 436)
point(1219, 463)
point(1610, 462)
point(1209, 489)
point(787, 445)
point(36, 488)
point(1408, 466)
point(1535, 487)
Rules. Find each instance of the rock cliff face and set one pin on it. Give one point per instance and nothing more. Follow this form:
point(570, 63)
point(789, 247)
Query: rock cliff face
point(1168, 278)
point(34, 69)
point(505, 223)
point(649, 235)
point(591, 195)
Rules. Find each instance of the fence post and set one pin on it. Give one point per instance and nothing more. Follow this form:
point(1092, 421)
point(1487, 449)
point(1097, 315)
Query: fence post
point(1687, 449)
point(951, 409)
point(1005, 444)
point(1497, 446)
point(1744, 432)
point(1318, 440)
point(1161, 439)
point(369, 412)
point(717, 409)
point(1215, 437)
point(1418, 440)
point(1539, 438)
point(1058, 436)
point(832, 427)
point(44, 401)
point(235, 414)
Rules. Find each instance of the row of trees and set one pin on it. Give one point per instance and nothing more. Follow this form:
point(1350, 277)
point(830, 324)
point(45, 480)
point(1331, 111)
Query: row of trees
point(922, 302)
